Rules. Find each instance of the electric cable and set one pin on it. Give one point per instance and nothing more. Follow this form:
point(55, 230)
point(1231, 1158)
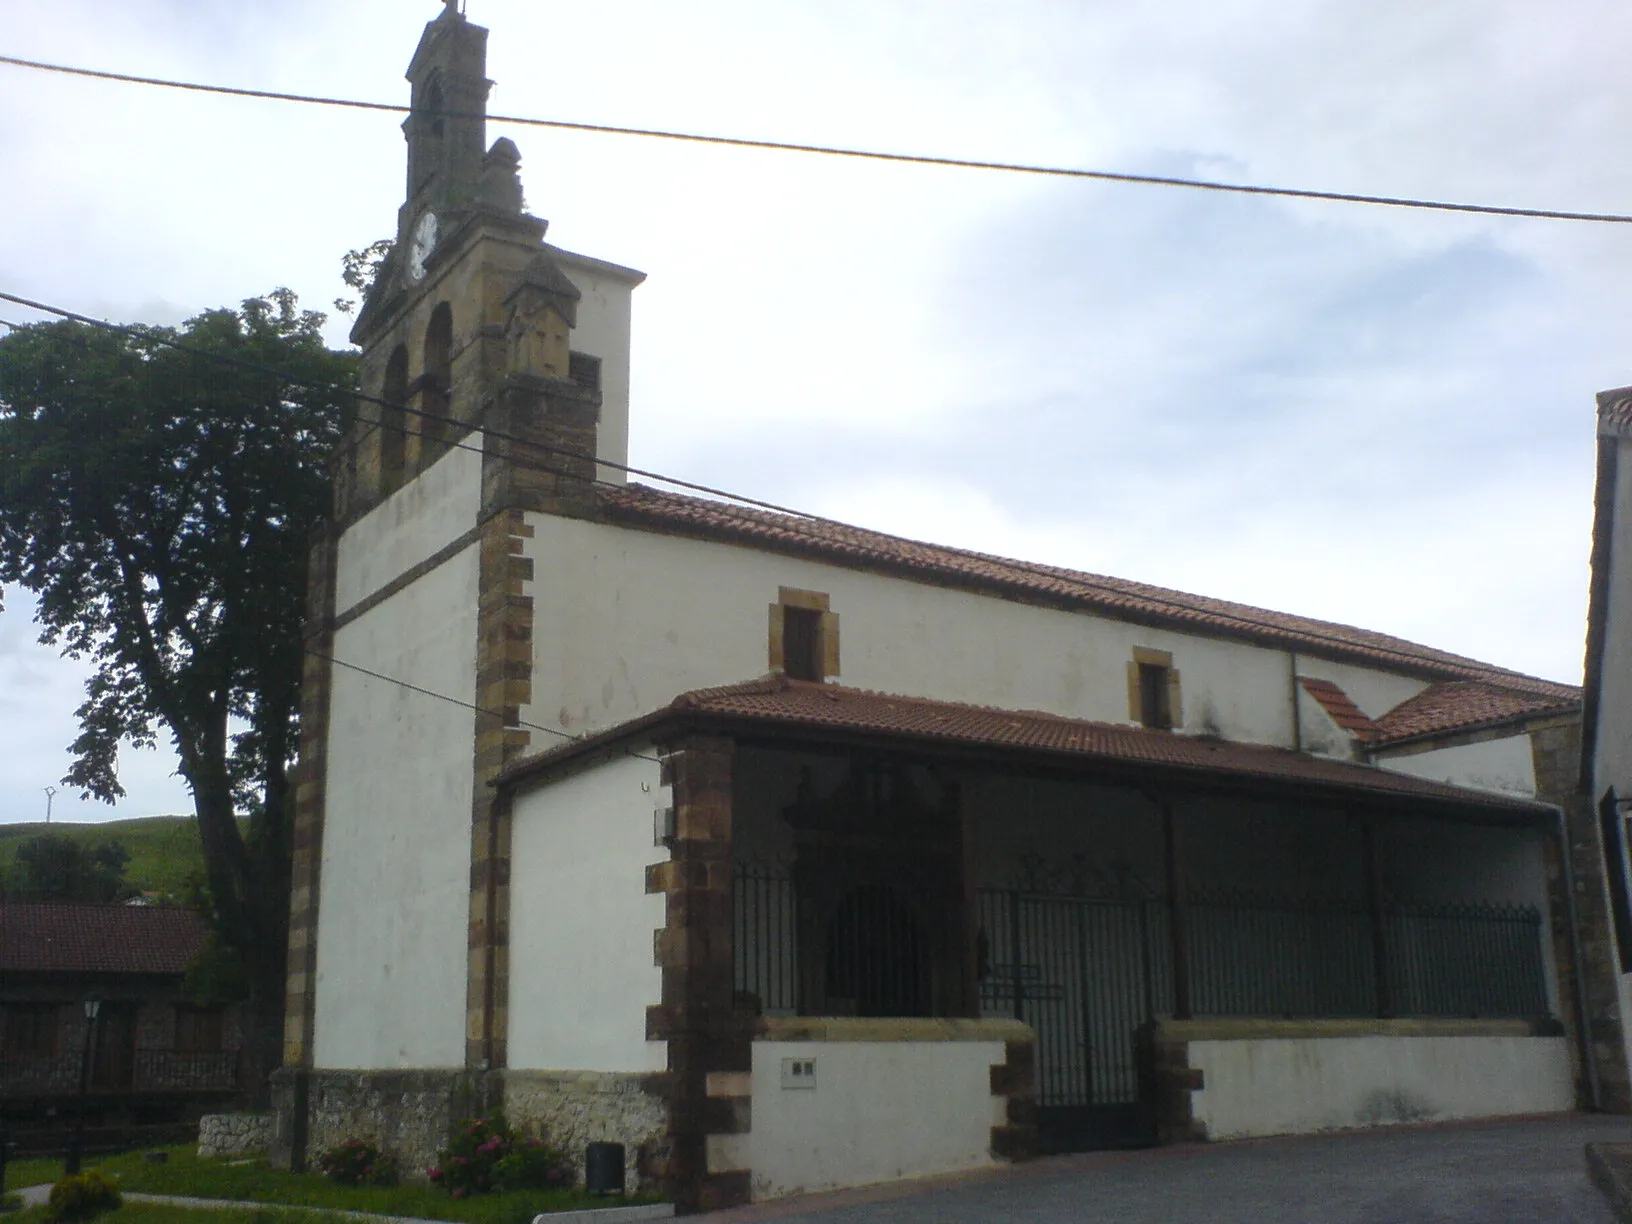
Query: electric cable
point(468, 705)
point(802, 520)
point(786, 146)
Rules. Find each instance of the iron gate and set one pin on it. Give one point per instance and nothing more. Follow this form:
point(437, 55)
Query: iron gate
point(1085, 973)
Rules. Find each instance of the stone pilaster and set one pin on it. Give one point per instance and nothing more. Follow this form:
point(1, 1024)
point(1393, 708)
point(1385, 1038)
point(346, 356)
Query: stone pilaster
point(310, 787)
point(300, 986)
point(706, 1036)
point(504, 669)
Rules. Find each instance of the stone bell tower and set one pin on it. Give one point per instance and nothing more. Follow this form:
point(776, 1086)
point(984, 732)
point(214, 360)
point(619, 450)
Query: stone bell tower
point(458, 305)
point(495, 386)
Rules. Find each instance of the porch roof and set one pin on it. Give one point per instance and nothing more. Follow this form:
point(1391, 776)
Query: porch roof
point(776, 707)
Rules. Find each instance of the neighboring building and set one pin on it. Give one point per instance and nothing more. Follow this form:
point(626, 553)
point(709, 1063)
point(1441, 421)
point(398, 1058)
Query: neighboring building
point(796, 855)
point(1605, 782)
point(156, 1058)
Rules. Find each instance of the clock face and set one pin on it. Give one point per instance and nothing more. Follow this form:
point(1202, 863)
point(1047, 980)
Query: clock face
point(420, 245)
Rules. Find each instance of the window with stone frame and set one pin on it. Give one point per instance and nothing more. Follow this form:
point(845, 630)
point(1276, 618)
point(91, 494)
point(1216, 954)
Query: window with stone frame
point(1153, 690)
point(31, 1029)
point(804, 635)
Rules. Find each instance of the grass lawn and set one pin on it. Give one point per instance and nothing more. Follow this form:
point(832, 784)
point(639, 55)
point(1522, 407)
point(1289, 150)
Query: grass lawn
point(255, 1181)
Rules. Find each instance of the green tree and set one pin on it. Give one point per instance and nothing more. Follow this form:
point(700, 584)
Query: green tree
point(52, 867)
point(159, 501)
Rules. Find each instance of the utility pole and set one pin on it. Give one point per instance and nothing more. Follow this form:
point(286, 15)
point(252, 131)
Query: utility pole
point(50, 794)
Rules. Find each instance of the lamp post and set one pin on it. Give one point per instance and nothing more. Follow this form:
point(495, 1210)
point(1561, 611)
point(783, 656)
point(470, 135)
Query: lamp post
point(76, 1143)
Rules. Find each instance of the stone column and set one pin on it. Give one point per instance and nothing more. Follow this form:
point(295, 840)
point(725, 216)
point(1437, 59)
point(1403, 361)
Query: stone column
point(710, 1043)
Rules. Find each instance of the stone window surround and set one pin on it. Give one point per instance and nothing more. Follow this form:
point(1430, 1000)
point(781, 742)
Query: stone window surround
point(827, 629)
point(1154, 658)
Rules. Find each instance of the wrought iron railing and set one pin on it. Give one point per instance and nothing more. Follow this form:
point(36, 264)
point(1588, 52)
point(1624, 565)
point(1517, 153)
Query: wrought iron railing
point(1250, 954)
point(146, 1071)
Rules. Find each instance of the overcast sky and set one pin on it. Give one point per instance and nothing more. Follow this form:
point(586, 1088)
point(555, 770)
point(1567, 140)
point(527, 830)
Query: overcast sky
point(1368, 415)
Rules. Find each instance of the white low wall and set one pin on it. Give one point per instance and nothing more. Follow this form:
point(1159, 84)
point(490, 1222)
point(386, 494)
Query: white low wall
point(1283, 1086)
point(880, 1111)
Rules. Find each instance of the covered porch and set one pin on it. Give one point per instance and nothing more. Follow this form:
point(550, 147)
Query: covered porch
point(905, 937)
point(1123, 892)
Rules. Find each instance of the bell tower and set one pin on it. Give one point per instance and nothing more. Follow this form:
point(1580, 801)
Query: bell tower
point(494, 381)
point(456, 313)
point(445, 125)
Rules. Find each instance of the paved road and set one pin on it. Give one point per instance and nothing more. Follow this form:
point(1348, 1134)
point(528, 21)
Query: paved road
point(1484, 1173)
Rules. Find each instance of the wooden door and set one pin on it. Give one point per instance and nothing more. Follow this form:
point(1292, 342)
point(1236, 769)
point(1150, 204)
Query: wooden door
point(113, 1058)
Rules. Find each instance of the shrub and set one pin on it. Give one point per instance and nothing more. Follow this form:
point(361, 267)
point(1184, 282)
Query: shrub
point(83, 1196)
point(485, 1154)
point(357, 1162)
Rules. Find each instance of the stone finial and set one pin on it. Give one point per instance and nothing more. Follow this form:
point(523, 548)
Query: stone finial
point(450, 8)
point(540, 313)
point(500, 185)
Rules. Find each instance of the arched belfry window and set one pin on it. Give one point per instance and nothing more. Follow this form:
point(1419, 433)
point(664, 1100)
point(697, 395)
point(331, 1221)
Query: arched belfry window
point(434, 106)
point(426, 127)
point(436, 404)
point(393, 420)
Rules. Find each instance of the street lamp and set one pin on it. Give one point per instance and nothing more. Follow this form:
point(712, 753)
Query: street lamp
point(76, 1144)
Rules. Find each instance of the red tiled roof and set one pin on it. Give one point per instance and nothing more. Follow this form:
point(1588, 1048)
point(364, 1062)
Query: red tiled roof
point(1462, 705)
point(777, 701)
point(74, 937)
point(637, 505)
point(1339, 707)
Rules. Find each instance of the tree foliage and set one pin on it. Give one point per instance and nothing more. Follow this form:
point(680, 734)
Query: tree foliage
point(158, 500)
point(52, 867)
point(359, 269)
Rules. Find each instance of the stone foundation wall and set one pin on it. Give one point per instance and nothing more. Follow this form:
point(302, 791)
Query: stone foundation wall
point(572, 1109)
point(406, 1113)
point(234, 1134)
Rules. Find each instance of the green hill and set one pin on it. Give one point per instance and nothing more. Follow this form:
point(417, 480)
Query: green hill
point(164, 850)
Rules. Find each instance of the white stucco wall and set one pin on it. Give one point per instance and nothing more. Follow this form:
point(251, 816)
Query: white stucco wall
point(603, 331)
point(394, 893)
point(581, 924)
point(880, 1111)
point(409, 526)
point(393, 906)
point(651, 616)
point(1295, 1086)
point(1506, 765)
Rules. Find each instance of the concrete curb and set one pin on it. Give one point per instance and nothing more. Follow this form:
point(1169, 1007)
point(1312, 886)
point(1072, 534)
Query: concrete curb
point(34, 1196)
point(1607, 1164)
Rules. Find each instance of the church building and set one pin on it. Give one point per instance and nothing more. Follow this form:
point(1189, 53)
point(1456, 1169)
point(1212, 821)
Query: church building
point(792, 855)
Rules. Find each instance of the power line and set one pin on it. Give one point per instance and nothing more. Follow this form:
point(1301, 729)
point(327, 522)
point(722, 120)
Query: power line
point(801, 521)
point(156, 337)
point(468, 705)
point(785, 146)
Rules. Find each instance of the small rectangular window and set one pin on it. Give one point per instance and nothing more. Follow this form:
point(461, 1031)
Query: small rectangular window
point(1155, 710)
point(584, 370)
point(1612, 829)
point(802, 643)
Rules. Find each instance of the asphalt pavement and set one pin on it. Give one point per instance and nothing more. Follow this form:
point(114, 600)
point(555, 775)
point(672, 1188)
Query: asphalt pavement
point(1511, 1172)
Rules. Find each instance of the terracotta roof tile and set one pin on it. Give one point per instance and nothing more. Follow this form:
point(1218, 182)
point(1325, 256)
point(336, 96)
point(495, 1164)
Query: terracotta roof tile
point(1462, 705)
point(776, 700)
point(1339, 707)
point(71, 937)
point(640, 506)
